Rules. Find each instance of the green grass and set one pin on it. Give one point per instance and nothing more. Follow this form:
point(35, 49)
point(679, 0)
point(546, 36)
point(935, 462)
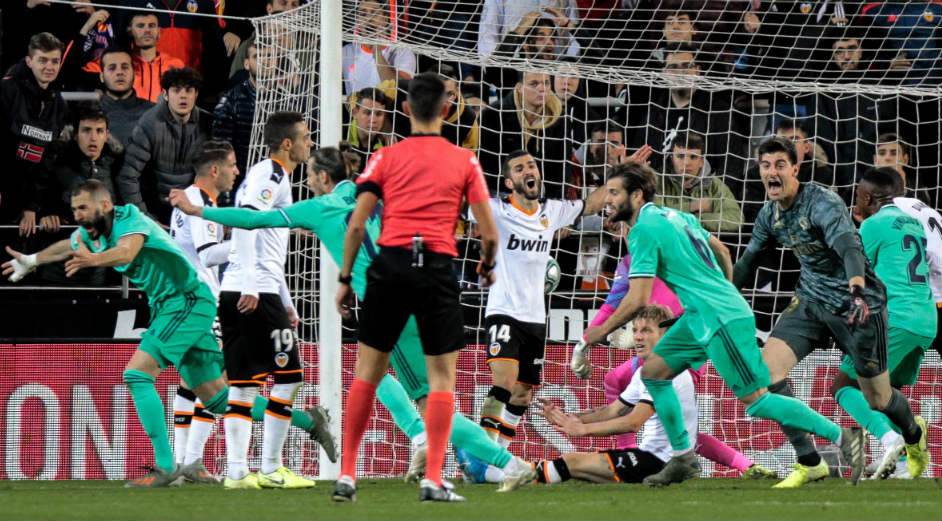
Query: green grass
point(725, 499)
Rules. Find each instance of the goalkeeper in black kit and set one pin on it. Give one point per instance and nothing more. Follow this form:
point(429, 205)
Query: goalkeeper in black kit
point(838, 297)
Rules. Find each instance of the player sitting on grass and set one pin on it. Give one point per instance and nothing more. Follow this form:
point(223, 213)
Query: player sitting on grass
point(182, 309)
point(895, 244)
point(326, 215)
point(717, 323)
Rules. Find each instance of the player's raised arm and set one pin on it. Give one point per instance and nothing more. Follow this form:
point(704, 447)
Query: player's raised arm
point(122, 253)
point(22, 264)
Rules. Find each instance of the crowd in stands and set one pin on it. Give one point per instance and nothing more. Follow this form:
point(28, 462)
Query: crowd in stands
point(159, 82)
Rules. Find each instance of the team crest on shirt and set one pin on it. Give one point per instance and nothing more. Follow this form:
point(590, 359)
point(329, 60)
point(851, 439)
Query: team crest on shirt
point(803, 222)
point(805, 8)
point(265, 195)
point(191, 6)
point(281, 359)
point(494, 349)
point(544, 220)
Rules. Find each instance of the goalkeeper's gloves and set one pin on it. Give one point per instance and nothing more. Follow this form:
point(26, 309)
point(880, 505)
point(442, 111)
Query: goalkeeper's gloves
point(579, 363)
point(859, 311)
point(22, 267)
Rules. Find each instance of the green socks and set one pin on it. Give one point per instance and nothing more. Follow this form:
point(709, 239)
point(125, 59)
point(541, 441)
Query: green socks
point(473, 439)
point(852, 400)
point(150, 411)
point(792, 412)
point(669, 412)
point(298, 418)
point(393, 396)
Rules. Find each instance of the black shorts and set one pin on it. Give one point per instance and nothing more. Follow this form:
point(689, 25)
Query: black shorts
point(521, 342)
point(806, 326)
point(632, 465)
point(395, 290)
point(259, 343)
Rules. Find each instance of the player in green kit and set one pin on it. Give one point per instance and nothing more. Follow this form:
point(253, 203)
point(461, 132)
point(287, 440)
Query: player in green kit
point(838, 297)
point(717, 323)
point(326, 215)
point(895, 244)
point(182, 309)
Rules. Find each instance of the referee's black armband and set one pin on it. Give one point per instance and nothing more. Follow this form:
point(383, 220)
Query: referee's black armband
point(850, 250)
point(369, 186)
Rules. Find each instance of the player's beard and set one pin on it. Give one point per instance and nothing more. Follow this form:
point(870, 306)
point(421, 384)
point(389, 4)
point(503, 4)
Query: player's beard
point(99, 225)
point(528, 193)
point(624, 213)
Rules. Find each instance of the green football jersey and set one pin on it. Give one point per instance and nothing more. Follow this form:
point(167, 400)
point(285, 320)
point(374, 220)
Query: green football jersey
point(161, 269)
point(895, 243)
point(327, 216)
point(673, 246)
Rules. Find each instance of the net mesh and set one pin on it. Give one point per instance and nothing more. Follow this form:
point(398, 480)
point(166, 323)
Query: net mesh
point(582, 98)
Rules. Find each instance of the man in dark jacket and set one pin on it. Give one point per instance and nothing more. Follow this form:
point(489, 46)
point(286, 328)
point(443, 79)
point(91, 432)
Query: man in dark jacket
point(530, 117)
point(234, 114)
point(32, 114)
point(121, 105)
point(159, 154)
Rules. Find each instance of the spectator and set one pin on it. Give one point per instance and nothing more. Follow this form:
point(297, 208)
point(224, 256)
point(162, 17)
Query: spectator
point(237, 74)
point(578, 115)
point(892, 152)
point(679, 27)
point(162, 145)
point(32, 114)
point(149, 63)
point(367, 65)
point(689, 185)
point(529, 118)
point(119, 102)
point(680, 108)
point(910, 37)
point(533, 39)
point(605, 149)
point(86, 150)
point(502, 17)
point(370, 126)
point(809, 171)
point(846, 60)
point(233, 117)
point(460, 126)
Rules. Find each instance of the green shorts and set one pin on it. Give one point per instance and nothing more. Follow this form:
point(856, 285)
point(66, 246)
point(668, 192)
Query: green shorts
point(903, 357)
point(408, 360)
point(181, 334)
point(732, 348)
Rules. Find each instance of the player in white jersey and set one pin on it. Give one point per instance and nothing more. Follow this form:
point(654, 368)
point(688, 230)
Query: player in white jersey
point(258, 317)
point(633, 411)
point(201, 241)
point(932, 223)
point(515, 316)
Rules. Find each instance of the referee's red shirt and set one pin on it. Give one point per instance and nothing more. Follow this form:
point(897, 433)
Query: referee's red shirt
point(422, 180)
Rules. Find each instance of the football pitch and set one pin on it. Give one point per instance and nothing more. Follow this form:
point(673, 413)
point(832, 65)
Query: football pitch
point(706, 499)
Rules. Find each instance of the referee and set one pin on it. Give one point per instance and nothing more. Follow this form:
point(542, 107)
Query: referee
point(422, 181)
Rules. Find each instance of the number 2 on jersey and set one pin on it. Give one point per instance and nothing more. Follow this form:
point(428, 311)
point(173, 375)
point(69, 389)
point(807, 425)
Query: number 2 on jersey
point(910, 241)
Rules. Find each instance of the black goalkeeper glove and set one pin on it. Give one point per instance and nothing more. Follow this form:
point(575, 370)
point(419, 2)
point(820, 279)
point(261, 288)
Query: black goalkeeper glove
point(859, 310)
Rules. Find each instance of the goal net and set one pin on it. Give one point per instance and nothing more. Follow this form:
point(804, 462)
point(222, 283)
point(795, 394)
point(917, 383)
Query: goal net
point(700, 82)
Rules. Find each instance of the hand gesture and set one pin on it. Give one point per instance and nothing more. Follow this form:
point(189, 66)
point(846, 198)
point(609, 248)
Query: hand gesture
point(96, 18)
point(247, 304)
point(344, 300)
point(81, 258)
point(751, 22)
point(561, 20)
point(178, 199)
point(19, 266)
point(642, 154)
point(526, 22)
point(232, 42)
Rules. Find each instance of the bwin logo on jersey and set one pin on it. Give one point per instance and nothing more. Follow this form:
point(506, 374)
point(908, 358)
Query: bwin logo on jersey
point(537, 245)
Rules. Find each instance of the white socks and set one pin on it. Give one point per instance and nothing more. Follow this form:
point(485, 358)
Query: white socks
point(238, 423)
point(201, 428)
point(182, 419)
point(277, 422)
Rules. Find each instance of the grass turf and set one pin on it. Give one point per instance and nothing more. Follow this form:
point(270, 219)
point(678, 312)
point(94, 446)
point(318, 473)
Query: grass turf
point(705, 499)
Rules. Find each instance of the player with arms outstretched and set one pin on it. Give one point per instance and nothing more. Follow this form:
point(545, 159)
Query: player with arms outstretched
point(838, 297)
point(182, 309)
point(717, 323)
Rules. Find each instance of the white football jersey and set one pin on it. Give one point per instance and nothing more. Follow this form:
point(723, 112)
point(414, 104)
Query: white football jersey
point(266, 186)
point(523, 250)
point(359, 65)
point(654, 438)
point(932, 224)
point(194, 234)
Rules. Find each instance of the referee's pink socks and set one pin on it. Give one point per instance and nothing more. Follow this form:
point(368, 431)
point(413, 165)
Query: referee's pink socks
point(438, 415)
point(356, 416)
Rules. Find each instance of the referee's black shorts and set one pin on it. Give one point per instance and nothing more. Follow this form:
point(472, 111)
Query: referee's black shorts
point(395, 290)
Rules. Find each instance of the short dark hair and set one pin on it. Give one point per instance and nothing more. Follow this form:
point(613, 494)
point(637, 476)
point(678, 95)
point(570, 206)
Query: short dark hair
point(117, 49)
point(340, 162)
point(607, 127)
point(280, 126)
point(891, 137)
point(93, 187)
point(138, 14)
point(792, 124)
point(885, 180)
point(681, 47)
point(426, 97)
point(44, 42)
point(377, 95)
point(87, 111)
point(211, 152)
point(505, 164)
point(778, 144)
point(185, 77)
point(690, 139)
point(636, 176)
point(444, 72)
